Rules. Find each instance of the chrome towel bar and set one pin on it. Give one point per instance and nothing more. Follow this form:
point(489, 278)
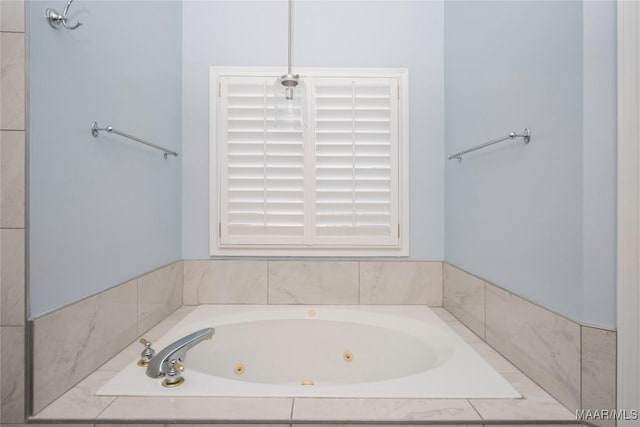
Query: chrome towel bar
point(526, 135)
point(95, 129)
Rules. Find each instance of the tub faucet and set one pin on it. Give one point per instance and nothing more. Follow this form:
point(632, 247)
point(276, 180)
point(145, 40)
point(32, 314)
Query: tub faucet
point(175, 353)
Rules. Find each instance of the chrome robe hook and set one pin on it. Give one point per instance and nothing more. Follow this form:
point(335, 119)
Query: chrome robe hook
point(55, 19)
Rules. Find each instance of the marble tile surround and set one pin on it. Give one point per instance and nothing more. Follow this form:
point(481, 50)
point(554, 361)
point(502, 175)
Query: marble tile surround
point(12, 222)
point(542, 344)
point(12, 81)
point(253, 276)
point(464, 297)
point(501, 364)
point(598, 371)
point(12, 178)
point(200, 408)
point(538, 406)
point(12, 273)
point(403, 282)
point(12, 16)
point(74, 403)
point(225, 282)
point(300, 424)
point(312, 282)
point(377, 410)
point(97, 328)
point(92, 329)
point(574, 363)
point(189, 425)
point(159, 294)
point(12, 347)
point(299, 411)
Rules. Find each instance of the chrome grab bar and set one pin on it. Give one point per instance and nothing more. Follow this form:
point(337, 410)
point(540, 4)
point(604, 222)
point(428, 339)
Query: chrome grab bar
point(110, 129)
point(526, 135)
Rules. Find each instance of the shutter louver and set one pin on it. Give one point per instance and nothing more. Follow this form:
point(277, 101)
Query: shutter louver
point(262, 168)
point(356, 161)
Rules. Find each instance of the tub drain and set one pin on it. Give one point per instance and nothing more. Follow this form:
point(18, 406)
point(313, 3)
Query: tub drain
point(238, 369)
point(306, 382)
point(347, 356)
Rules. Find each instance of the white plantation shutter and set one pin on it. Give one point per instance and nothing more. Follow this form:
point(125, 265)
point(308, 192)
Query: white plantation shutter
point(334, 185)
point(356, 161)
point(262, 168)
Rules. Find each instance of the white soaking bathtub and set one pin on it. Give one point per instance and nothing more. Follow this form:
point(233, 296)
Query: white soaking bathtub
point(320, 351)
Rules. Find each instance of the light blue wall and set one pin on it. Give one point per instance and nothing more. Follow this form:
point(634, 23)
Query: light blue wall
point(400, 34)
point(599, 163)
point(102, 210)
point(538, 220)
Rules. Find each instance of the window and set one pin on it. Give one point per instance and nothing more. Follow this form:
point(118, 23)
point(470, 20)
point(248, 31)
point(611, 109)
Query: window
point(338, 187)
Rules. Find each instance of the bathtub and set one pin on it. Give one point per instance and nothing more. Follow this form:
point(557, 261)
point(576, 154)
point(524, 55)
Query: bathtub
point(321, 351)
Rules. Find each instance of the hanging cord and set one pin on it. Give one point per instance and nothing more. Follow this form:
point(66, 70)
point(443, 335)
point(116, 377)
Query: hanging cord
point(289, 36)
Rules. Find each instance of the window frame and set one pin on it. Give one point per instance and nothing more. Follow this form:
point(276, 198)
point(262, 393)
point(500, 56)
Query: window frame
point(215, 247)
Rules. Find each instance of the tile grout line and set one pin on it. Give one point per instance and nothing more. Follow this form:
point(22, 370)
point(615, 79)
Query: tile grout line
point(600, 328)
point(580, 406)
point(442, 278)
point(183, 282)
point(476, 409)
point(181, 287)
point(484, 309)
point(359, 283)
point(138, 307)
point(105, 408)
point(617, 371)
point(293, 403)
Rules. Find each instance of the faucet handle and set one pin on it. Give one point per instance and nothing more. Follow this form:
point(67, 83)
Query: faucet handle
point(147, 354)
point(174, 374)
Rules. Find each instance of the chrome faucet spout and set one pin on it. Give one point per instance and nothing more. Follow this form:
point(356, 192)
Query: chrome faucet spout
point(176, 351)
